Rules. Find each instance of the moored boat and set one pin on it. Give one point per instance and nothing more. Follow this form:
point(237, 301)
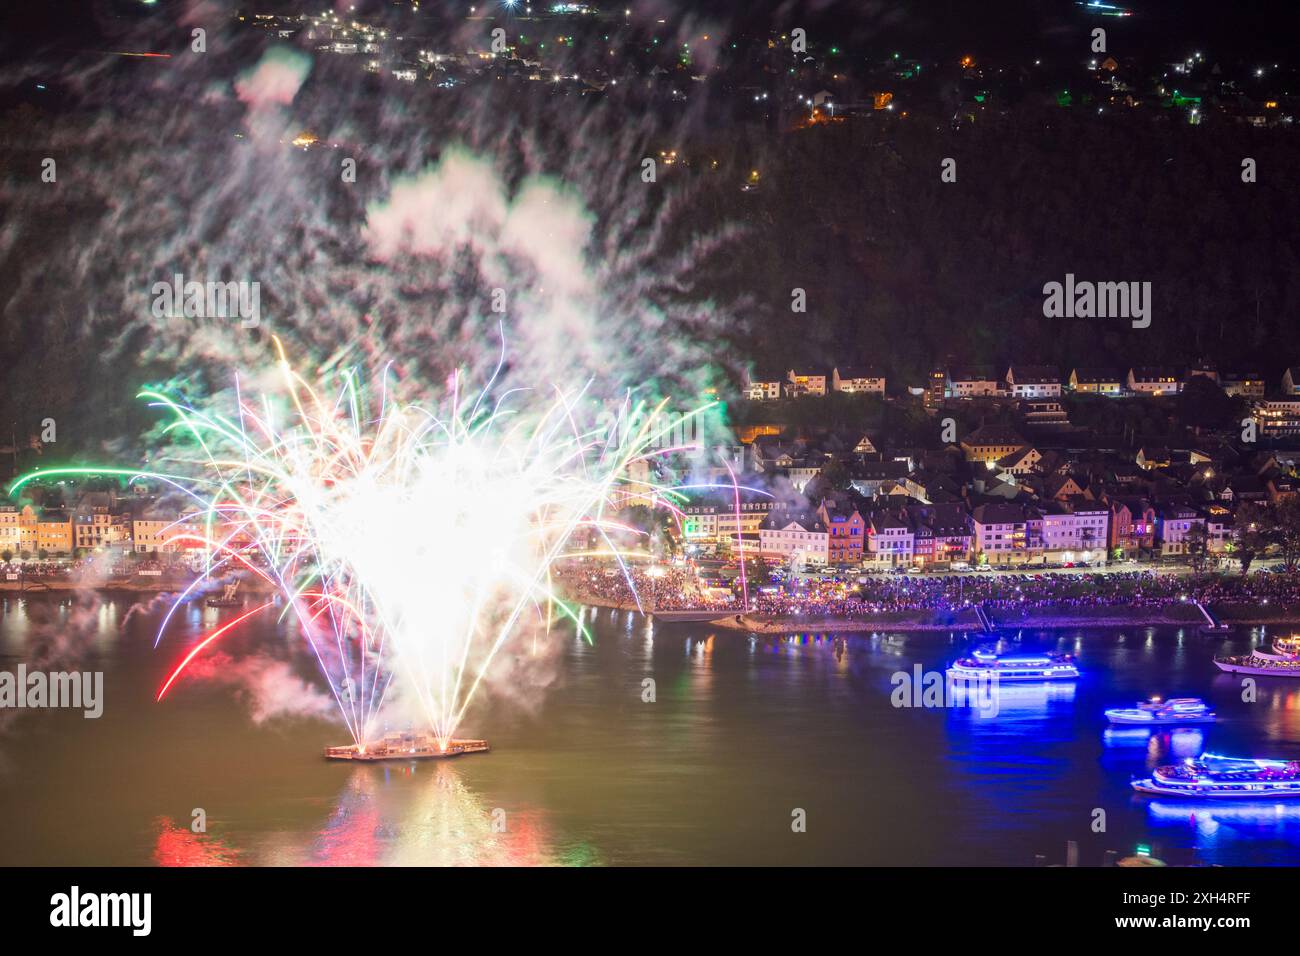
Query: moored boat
point(986, 664)
point(1216, 777)
point(1259, 665)
point(1176, 711)
point(407, 745)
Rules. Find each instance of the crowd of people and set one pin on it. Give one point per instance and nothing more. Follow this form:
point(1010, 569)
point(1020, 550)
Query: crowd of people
point(853, 595)
point(654, 588)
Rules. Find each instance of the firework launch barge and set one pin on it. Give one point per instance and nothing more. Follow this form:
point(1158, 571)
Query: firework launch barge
point(406, 746)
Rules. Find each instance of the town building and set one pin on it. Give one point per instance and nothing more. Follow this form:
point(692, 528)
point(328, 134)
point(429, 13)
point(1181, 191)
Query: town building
point(805, 383)
point(11, 535)
point(1244, 384)
point(1278, 417)
point(797, 538)
point(1173, 522)
point(1132, 527)
point(990, 443)
point(1005, 533)
point(1074, 533)
point(1153, 381)
point(891, 541)
point(1033, 381)
point(858, 380)
point(845, 528)
point(1096, 381)
point(974, 381)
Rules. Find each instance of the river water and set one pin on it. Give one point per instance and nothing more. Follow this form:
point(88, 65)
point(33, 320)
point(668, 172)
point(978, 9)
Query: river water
point(745, 736)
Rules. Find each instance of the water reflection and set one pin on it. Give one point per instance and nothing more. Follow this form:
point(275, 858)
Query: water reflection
point(417, 814)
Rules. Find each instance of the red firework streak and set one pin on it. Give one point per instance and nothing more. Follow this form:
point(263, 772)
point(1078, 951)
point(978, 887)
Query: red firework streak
point(204, 643)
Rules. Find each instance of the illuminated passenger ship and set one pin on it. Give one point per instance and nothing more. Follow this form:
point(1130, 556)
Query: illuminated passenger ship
point(1212, 776)
point(984, 663)
point(1260, 665)
point(406, 745)
point(1179, 711)
point(1284, 649)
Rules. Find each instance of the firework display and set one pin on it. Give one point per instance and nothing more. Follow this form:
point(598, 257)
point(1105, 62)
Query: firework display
point(484, 493)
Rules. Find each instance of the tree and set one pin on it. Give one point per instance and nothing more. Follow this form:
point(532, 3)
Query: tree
point(1247, 534)
point(835, 475)
point(757, 572)
point(6, 556)
point(1286, 532)
point(1196, 540)
point(1203, 404)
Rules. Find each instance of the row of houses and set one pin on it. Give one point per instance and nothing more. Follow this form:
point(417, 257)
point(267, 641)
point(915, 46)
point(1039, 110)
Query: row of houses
point(851, 380)
point(56, 532)
point(1019, 381)
point(1042, 381)
point(1000, 534)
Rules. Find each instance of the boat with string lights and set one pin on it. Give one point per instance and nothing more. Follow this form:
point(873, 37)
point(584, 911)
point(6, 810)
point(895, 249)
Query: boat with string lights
point(1177, 711)
point(1259, 665)
point(407, 745)
point(1282, 649)
point(1216, 777)
point(985, 663)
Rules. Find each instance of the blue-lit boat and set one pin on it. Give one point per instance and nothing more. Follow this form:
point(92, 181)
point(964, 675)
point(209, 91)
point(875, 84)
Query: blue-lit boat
point(1178, 711)
point(985, 664)
point(1211, 776)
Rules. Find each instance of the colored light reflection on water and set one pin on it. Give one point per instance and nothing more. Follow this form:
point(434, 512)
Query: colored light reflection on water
point(584, 770)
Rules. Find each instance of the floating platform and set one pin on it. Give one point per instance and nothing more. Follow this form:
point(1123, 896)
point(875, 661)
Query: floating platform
point(407, 746)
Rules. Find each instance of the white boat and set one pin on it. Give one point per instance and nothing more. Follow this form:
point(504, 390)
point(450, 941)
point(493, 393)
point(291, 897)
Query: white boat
point(1224, 778)
point(1257, 665)
point(1178, 711)
point(1282, 649)
point(985, 664)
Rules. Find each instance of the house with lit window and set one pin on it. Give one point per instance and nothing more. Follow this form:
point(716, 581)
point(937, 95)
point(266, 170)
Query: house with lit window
point(1245, 384)
point(1218, 528)
point(1033, 381)
point(1173, 522)
point(794, 537)
point(764, 386)
point(858, 380)
point(1278, 417)
point(1005, 533)
point(1153, 381)
point(54, 533)
point(1074, 533)
point(805, 383)
point(1132, 527)
point(891, 541)
point(941, 534)
point(1096, 381)
point(972, 381)
point(11, 535)
point(845, 529)
point(991, 443)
